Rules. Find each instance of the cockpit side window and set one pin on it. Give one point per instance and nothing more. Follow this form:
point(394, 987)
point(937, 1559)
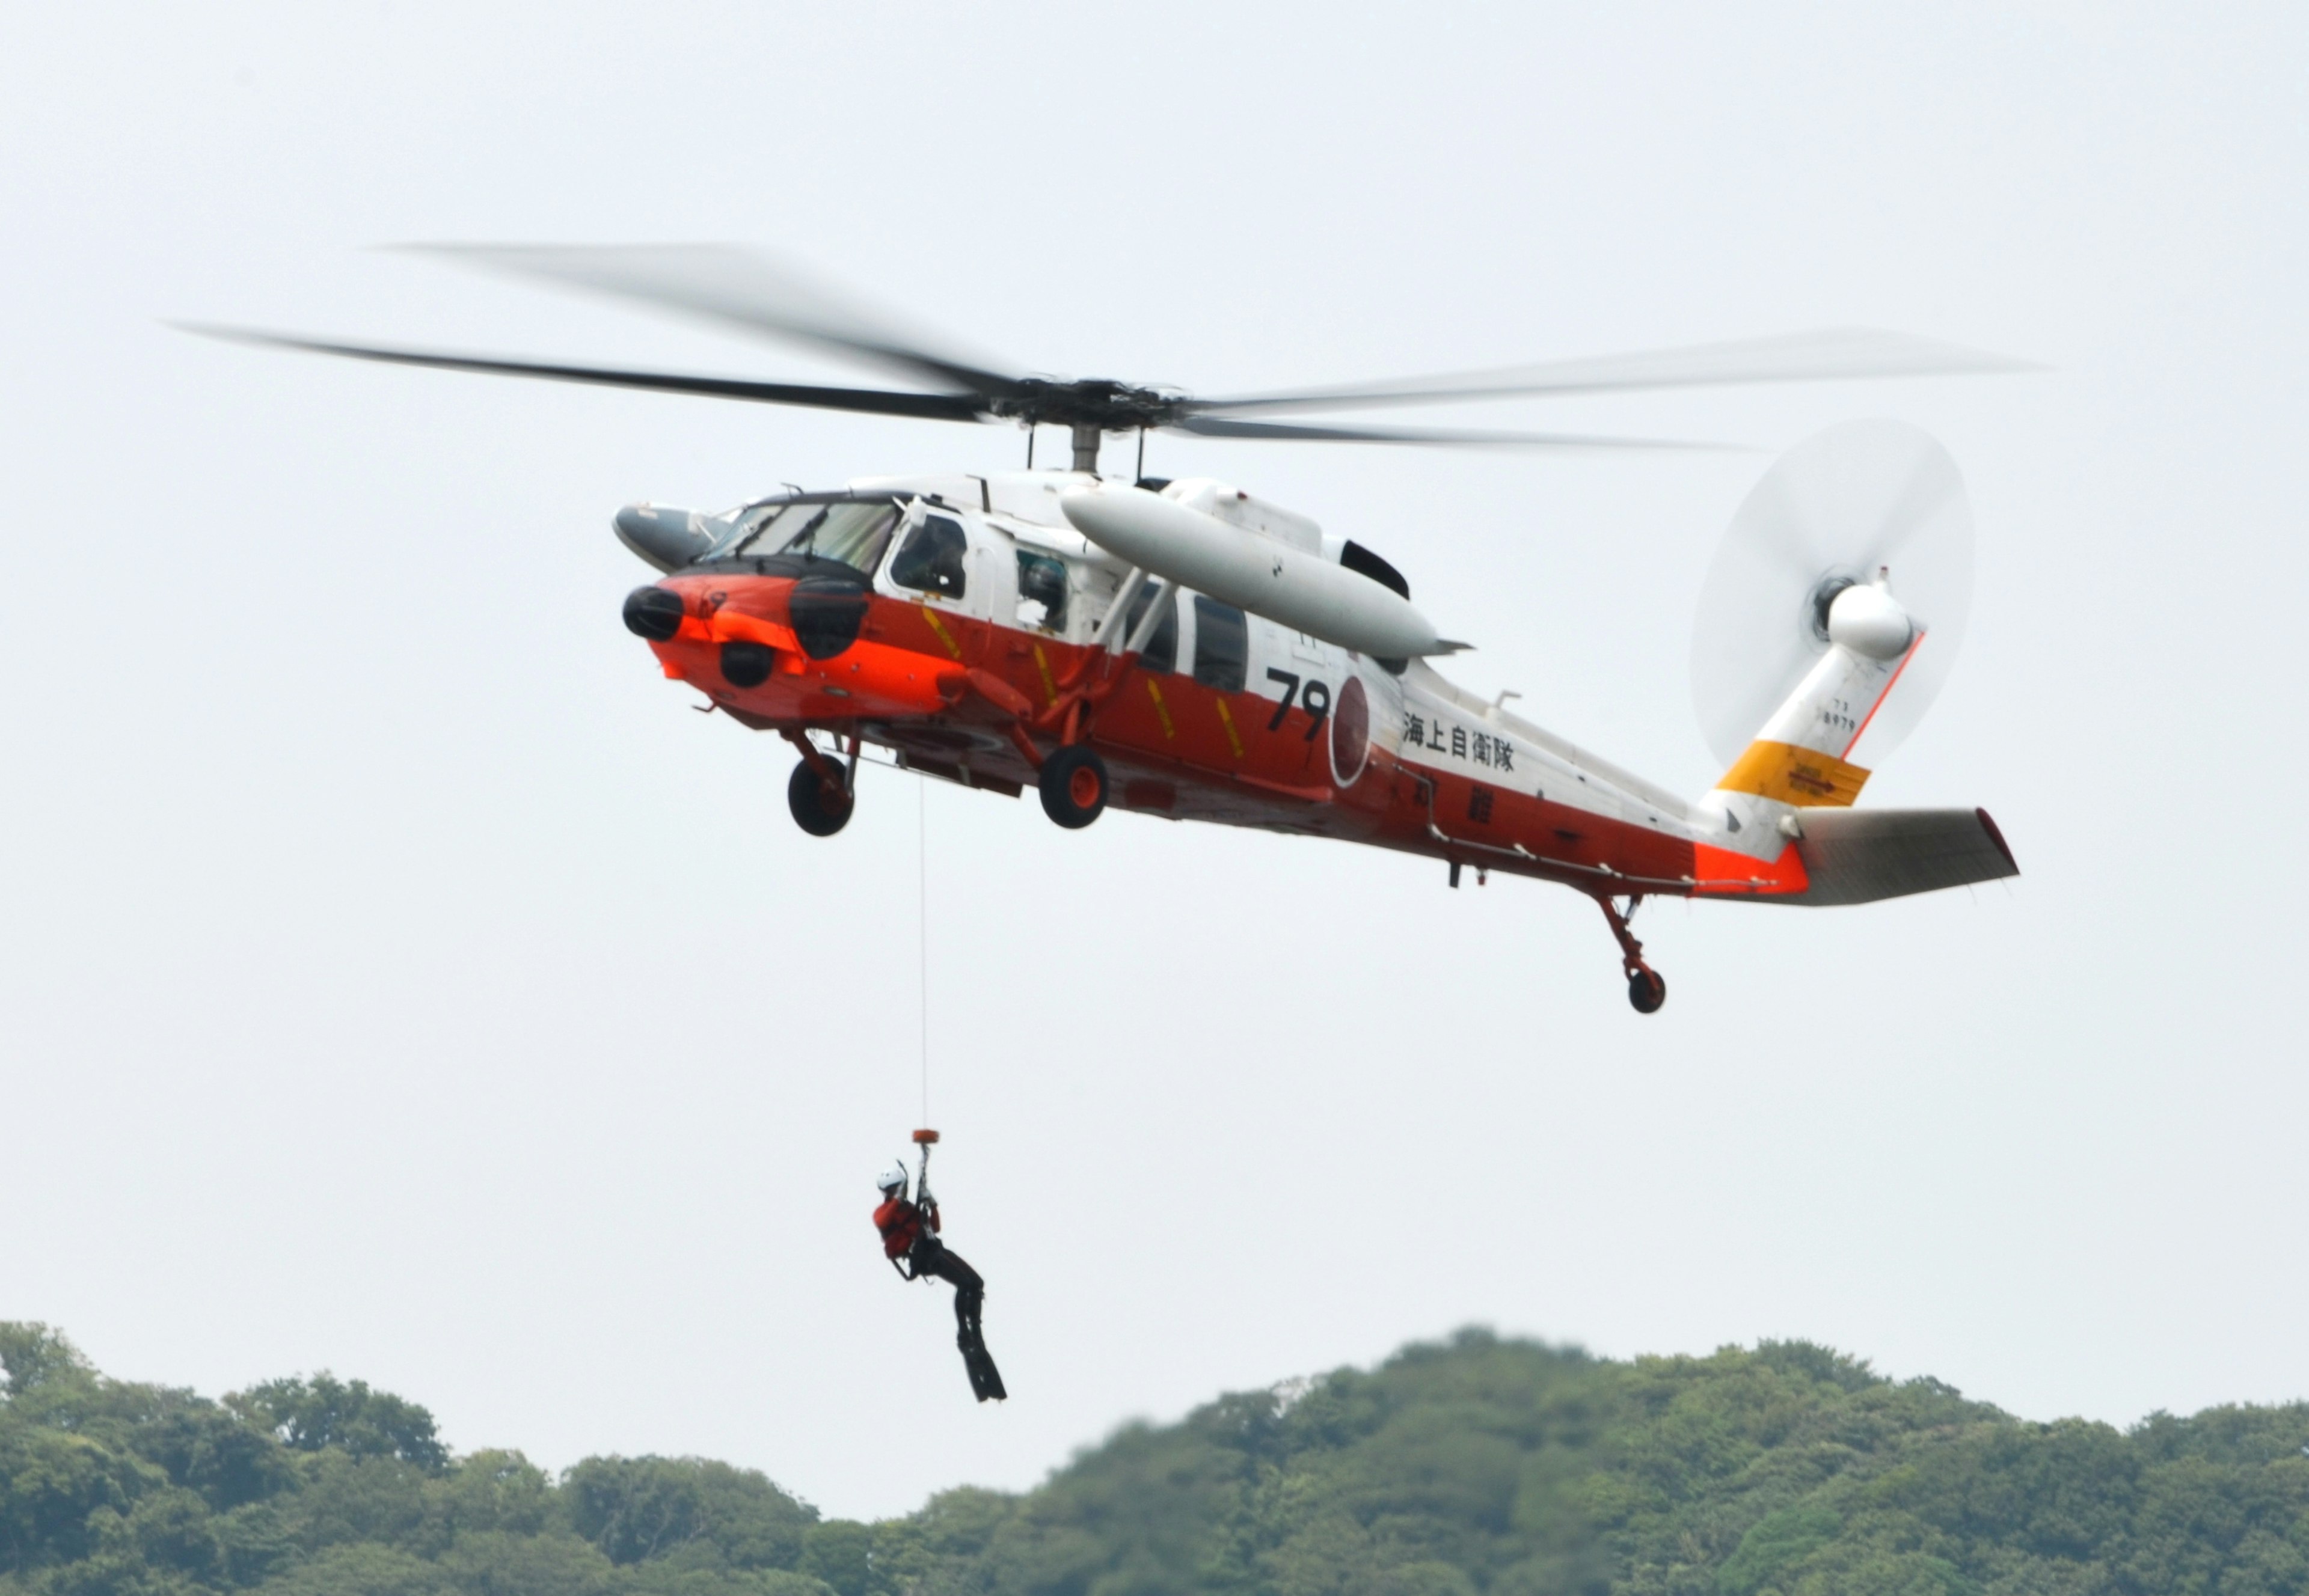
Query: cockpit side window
point(930, 559)
point(1161, 651)
point(1042, 592)
point(1222, 645)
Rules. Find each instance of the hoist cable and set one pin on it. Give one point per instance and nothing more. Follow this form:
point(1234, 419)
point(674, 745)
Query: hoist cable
point(922, 932)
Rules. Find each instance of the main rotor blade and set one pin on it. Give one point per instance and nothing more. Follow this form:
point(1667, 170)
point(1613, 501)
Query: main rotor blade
point(1219, 427)
point(1829, 354)
point(936, 406)
point(722, 284)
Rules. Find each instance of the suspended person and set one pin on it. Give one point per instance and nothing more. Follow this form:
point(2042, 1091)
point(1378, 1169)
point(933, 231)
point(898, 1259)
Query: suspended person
point(910, 1240)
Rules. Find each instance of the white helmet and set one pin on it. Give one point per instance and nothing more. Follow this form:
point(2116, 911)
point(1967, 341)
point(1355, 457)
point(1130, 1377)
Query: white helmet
point(893, 1178)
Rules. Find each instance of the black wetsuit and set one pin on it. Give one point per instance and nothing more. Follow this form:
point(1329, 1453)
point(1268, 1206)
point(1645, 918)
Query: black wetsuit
point(932, 1259)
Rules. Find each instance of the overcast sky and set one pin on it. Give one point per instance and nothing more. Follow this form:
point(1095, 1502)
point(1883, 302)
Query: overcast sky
point(399, 979)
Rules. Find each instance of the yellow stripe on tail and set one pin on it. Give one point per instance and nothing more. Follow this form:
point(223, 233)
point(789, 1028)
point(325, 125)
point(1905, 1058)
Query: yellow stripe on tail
point(1801, 778)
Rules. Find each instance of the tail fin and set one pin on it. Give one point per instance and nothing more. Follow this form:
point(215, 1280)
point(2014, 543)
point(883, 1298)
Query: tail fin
point(1792, 790)
point(1802, 758)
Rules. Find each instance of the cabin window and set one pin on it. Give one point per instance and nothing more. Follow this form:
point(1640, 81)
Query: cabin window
point(1222, 645)
point(1161, 651)
point(1042, 592)
point(930, 559)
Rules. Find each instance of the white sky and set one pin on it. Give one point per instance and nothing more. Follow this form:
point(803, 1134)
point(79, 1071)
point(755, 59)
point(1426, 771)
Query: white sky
point(398, 978)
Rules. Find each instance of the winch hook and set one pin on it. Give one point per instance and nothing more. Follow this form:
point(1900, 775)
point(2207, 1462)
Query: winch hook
point(925, 1139)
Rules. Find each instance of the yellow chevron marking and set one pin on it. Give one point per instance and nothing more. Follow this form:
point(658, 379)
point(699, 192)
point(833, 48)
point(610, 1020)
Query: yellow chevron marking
point(1803, 777)
point(944, 637)
point(1162, 709)
point(1050, 687)
point(1227, 720)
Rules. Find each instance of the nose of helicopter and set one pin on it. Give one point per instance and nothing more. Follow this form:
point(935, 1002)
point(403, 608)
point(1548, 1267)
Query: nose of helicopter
point(665, 537)
point(654, 612)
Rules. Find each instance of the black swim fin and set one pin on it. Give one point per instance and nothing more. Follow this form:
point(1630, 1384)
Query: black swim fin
point(985, 1379)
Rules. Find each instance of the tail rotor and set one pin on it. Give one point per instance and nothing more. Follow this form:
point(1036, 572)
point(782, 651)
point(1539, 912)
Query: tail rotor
point(1862, 502)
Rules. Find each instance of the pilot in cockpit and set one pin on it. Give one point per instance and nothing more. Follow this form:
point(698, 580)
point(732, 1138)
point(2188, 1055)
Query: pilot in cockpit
point(1042, 592)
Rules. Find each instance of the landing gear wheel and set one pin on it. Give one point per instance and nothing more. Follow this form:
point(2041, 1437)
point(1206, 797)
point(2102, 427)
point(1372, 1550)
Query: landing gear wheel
point(1074, 787)
point(1646, 990)
point(818, 809)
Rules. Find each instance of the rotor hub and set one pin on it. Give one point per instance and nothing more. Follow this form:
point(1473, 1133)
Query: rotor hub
point(1101, 403)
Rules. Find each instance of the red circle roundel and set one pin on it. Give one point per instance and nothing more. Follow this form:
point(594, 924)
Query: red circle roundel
point(1350, 732)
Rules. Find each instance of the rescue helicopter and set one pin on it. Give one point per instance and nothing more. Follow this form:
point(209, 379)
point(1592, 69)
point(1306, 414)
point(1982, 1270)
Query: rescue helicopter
point(1187, 650)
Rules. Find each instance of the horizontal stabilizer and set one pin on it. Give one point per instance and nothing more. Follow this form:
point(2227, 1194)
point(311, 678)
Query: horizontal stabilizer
point(1858, 856)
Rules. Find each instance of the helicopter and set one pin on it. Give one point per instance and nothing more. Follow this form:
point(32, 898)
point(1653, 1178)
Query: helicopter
point(1186, 650)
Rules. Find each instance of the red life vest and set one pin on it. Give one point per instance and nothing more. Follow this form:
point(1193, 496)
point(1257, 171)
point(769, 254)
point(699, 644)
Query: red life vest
point(900, 1222)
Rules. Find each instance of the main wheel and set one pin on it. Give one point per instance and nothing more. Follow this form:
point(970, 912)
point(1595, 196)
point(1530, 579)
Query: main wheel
point(1647, 991)
point(1073, 784)
point(818, 809)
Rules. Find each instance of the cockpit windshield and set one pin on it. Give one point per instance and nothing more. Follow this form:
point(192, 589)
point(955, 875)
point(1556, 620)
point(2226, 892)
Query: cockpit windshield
point(851, 531)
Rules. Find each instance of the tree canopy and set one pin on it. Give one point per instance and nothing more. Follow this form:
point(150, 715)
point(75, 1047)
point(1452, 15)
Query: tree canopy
point(1481, 1465)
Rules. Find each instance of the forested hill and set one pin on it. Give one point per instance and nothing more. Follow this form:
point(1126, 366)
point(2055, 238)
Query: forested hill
point(1483, 1465)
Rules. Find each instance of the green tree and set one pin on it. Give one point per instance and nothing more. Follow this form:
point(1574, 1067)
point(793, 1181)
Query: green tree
point(323, 1413)
point(497, 1562)
point(363, 1569)
point(55, 1484)
point(635, 1509)
point(35, 1356)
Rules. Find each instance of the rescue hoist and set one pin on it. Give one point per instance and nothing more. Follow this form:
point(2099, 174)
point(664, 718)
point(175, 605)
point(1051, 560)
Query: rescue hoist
point(925, 1139)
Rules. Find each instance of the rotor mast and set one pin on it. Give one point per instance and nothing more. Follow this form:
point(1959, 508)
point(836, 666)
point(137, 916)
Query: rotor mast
point(1087, 436)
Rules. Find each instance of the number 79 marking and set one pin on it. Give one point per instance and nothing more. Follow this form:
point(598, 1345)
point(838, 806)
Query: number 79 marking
point(1317, 703)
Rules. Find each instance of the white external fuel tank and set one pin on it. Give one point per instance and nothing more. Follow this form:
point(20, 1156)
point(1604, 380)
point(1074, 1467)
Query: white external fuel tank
point(1274, 573)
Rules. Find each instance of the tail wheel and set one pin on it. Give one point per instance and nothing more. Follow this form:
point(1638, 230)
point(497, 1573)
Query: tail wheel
point(1073, 784)
point(1646, 990)
point(818, 808)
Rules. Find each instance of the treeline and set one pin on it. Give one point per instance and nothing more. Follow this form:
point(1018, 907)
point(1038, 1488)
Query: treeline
point(1480, 1466)
point(325, 1487)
